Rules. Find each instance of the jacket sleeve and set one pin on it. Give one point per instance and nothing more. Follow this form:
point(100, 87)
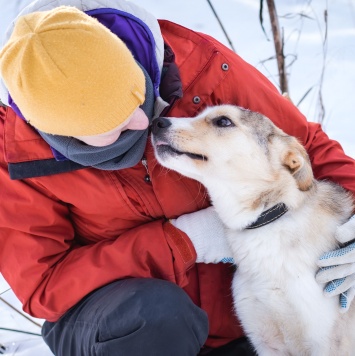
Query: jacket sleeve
point(49, 272)
point(247, 87)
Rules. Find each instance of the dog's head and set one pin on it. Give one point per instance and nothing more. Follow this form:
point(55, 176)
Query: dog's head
point(226, 143)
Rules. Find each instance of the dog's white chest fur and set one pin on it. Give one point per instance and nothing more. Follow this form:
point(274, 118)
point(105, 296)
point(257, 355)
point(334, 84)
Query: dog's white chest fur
point(275, 291)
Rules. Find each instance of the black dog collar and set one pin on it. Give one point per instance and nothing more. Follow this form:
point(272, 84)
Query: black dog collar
point(269, 216)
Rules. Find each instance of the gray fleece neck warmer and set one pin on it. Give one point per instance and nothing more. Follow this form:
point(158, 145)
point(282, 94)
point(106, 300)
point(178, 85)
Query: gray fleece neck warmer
point(126, 152)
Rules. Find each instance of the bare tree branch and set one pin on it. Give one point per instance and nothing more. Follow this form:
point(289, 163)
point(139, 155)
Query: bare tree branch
point(221, 25)
point(279, 46)
point(321, 114)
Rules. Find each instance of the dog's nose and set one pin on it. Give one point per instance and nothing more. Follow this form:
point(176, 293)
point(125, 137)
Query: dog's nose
point(159, 124)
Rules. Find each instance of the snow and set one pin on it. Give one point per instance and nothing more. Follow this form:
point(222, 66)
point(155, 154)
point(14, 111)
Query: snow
point(18, 343)
point(241, 21)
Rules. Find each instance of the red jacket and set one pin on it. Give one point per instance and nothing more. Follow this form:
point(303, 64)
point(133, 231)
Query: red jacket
point(64, 235)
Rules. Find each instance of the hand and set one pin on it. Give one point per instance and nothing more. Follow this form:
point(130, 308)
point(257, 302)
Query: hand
point(206, 231)
point(337, 268)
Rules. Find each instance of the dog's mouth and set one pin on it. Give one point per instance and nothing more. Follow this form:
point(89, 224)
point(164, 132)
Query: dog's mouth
point(164, 148)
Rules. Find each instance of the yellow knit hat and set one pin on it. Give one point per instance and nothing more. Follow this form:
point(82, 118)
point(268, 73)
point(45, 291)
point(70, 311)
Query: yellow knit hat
point(62, 66)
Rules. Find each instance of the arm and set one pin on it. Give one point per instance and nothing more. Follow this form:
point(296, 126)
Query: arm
point(50, 272)
point(329, 162)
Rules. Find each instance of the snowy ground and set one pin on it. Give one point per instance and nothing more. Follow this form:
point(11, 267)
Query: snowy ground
point(241, 21)
point(19, 343)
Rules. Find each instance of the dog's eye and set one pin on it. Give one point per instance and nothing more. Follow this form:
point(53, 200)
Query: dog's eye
point(222, 121)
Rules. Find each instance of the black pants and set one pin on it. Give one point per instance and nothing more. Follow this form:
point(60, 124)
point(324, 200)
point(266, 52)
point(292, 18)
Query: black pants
point(133, 317)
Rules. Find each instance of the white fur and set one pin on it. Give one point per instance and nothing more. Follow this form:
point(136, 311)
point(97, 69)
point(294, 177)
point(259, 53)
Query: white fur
point(248, 168)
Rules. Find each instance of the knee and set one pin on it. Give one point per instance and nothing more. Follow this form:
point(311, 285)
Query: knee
point(156, 313)
point(155, 305)
point(159, 301)
point(131, 317)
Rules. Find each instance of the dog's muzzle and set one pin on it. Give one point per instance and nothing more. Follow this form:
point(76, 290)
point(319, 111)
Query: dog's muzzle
point(162, 144)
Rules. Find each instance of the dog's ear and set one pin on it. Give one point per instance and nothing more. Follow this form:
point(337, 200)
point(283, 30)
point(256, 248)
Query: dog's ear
point(297, 162)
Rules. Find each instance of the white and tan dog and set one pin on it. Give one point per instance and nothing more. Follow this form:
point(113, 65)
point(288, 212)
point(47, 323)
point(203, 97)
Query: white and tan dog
point(250, 167)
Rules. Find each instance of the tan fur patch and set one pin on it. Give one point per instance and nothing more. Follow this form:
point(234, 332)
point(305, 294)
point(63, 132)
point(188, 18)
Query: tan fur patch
point(297, 162)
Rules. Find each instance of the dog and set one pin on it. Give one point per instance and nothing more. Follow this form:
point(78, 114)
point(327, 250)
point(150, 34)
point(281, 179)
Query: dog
point(279, 220)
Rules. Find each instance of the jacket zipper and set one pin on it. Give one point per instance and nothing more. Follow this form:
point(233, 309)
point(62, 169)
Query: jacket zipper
point(147, 176)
